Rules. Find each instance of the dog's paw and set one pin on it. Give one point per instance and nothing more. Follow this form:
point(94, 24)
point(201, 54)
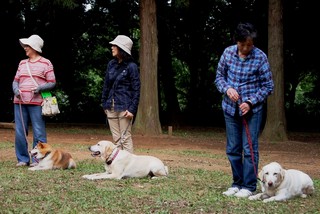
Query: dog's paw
point(32, 168)
point(256, 196)
point(89, 177)
point(268, 200)
point(86, 176)
point(252, 197)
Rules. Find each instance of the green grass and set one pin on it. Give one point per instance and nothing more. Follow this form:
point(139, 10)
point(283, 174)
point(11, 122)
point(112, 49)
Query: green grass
point(184, 191)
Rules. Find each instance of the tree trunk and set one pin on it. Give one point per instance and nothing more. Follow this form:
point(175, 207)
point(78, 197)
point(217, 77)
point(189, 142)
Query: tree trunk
point(147, 121)
point(276, 129)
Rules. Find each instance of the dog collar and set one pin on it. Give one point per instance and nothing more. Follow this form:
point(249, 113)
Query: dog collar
point(46, 155)
point(115, 155)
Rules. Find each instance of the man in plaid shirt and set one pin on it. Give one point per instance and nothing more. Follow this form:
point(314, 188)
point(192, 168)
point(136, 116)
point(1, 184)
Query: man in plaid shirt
point(245, 79)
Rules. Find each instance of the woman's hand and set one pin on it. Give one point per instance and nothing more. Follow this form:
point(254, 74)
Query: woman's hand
point(128, 114)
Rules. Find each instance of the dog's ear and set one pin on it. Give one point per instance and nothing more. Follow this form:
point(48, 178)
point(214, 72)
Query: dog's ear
point(282, 173)
point(40, 144)
point(107, 152)
point(261, 176)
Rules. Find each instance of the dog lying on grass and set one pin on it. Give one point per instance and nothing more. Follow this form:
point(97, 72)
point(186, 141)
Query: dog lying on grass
point(123, 164)
point(278, 184)
point(50, 158)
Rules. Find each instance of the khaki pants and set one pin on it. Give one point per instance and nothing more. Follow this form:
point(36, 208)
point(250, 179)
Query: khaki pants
point(120, 128)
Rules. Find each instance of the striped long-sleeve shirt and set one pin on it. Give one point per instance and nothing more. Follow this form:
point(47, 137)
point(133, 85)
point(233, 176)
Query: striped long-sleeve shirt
point(42, 72)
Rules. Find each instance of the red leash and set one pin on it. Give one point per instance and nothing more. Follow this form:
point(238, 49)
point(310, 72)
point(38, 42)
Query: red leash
point(245, 123)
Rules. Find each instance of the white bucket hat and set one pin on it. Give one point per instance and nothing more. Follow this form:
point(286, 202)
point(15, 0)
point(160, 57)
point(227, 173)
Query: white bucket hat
point(123, 42)
point(34, 41)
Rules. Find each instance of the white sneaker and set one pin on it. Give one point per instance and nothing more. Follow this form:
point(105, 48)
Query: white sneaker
point(243, 193)
point(22, 164)
point(231, 191)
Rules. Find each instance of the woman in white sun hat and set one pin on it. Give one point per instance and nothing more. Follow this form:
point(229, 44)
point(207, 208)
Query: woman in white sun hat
point(121, 92)
point(34, 74)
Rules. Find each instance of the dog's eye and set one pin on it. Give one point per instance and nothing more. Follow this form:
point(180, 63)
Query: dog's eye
point(267, 173)
point(275, 174)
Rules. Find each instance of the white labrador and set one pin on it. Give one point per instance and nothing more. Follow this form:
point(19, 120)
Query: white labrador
point(279, 184)
point(123, 164)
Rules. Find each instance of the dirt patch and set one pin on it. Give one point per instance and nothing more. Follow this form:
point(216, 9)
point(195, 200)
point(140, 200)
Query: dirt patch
point(301, 152)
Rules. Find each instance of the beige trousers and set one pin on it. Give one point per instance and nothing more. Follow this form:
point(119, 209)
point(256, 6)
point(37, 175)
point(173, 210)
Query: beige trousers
point(120, 128)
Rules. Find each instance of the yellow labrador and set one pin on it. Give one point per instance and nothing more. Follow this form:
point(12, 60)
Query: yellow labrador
point(279, 184)
point(123, 164)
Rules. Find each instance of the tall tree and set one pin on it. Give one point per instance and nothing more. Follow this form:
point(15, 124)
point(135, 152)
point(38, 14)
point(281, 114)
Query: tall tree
point(276, 129)
point(147, 121)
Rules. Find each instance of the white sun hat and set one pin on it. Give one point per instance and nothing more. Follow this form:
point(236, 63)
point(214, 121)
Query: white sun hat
point(123, 42)
point(34, 41)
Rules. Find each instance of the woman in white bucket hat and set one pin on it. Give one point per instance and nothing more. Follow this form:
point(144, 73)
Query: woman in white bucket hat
point(121, 92)
point(34, 74)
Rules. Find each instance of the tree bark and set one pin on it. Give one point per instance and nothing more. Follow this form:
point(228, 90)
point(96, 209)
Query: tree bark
point(276, 129)
point(147, 121)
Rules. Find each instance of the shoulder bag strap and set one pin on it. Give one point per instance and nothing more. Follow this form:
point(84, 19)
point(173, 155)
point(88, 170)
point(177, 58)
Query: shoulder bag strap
point(33, 82)
point(31, 74)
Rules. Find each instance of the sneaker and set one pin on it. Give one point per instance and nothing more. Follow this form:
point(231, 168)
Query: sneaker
point(243, 193)
point(22, 164)
point(33, 164)
point(231, 191)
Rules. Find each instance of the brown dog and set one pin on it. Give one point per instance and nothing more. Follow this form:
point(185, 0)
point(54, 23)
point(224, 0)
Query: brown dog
point(50, 158)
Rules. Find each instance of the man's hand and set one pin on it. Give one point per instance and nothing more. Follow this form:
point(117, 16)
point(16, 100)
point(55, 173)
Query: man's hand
point(233, 94)
point(245, 107)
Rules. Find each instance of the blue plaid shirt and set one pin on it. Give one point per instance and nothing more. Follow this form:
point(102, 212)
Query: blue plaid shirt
point(121, 89)
point(251, 77)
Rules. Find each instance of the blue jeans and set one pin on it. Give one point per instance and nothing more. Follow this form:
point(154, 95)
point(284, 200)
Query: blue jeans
point(238, 151)
point(29, 113)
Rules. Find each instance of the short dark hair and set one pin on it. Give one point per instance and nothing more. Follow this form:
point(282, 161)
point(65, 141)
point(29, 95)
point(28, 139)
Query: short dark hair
point(124, 55)
point(245, 31)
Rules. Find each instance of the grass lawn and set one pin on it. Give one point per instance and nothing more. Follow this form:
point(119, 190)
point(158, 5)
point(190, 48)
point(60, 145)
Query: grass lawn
point(186, 190)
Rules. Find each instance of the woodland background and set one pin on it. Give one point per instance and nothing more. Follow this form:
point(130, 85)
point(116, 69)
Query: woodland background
point(177, 45)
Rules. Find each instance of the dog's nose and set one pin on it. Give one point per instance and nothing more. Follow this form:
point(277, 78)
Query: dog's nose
point(270, 183)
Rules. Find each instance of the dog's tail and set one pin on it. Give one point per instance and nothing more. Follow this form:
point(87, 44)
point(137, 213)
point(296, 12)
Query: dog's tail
point(166, 170)
point(72, 164)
